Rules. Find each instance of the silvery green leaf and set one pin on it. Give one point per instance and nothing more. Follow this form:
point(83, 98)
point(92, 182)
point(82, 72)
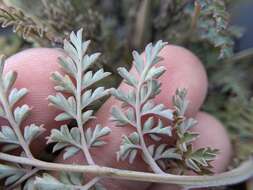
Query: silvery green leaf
point(73, 178)
point(20, 113)
point(32, 131)
point(159, 109)
point(138, 62)
point(129, 98)
point(163, 152)
point(70, 151)
point(152, 52)
point(129, 147)
point(180, 102)
point(48, 182)
point(148, 124)
point(9, 147)
point(148, 53)
point(76, 40)
point(150, 90)
point(15, 95)
point(7, 135)
point(186, 139)
point(9, 79)
point(71, 51)
point(129, 78)
point(204, 155)
point(59, 146)
point(192, 165)
point(158, 47)
point(64, 83)
point(88, 61)
point(90, 97)
point(87, 115)
point(64, 138)
point(68, 65)
point(11, 173)
point(92, 137)
point(67, 105)
point(155, 73)
point(158, 130)
point(186, 125)
point(63, 116)
point(200, 159)
point(89, 78)
point(29, 184)
point(119, 117)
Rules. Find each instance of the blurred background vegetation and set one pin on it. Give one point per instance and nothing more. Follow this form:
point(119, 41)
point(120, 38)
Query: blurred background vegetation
point(218, 31)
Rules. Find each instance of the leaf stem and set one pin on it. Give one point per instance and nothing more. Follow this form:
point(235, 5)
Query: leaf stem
point(13, 123)
point(78, 95)
point(237, 175)
point(152, 163)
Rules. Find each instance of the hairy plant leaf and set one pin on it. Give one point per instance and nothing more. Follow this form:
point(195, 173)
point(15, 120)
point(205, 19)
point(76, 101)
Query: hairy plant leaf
point(121, 118)
point(10, 173)
point(64, 83)
point(163, 152)
point(48, 182)
point(70, 151)
point(71, 178)
point(88, 61)
point(67, 105)
point(201, 158)
point(20, 113)
point(15, 95)
point(32, 131)
point(129, 98)
point(129, 79)
point(159, 110)
point(7, 135)
point(156, 131)
point(90, 97)
point(138, 62)
point(68, 65)
point(179, 101)
point(129, 147)
point(92, 137)
point(89, 78)
point(65, 138)
point(9, 79)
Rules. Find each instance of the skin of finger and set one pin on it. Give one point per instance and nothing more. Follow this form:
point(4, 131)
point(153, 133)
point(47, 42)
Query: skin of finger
point(34, 67)
point(212, 134)
point(183, 70)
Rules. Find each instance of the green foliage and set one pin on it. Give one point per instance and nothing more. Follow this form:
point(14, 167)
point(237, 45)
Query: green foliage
point(77, 65)
point(11, 173)
point(139, 103)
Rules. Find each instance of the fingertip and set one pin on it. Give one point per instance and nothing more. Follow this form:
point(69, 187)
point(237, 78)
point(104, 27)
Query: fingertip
point(214, 135)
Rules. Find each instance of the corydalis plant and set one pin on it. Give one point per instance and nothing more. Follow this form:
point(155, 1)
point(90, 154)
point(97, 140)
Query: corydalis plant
point(77, 65)
point(11, 134)
point(74, 97)
point(139, 103)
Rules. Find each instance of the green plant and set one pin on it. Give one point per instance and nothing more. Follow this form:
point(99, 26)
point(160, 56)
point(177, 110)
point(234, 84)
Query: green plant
point(26, 168)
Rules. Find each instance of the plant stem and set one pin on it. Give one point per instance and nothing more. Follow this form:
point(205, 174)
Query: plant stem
point(242, 173)
point(145, 150)
point(79, 119)
point(12, 122)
